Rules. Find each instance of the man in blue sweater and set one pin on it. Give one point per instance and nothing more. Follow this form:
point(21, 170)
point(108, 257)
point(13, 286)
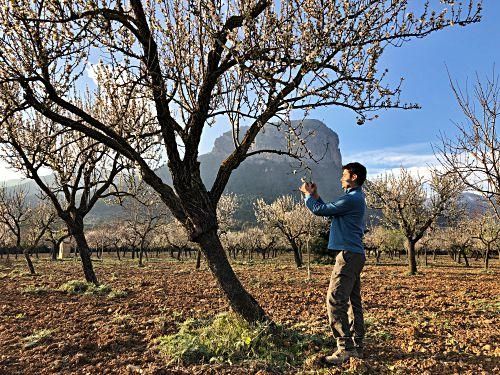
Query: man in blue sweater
point(343, 300)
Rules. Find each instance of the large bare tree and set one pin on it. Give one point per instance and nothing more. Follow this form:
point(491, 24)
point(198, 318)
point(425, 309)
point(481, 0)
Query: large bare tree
point(202, 62)
point(474, 154)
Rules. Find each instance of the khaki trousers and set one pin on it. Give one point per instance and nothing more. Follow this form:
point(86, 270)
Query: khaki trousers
point(343, 300)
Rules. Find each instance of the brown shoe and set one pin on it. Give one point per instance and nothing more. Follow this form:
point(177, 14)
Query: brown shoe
point(359, 352)
point(340, 356)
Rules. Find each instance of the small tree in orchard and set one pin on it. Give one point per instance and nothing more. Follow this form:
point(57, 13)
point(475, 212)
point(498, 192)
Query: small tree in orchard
point(474, 155)
point(26, 222)
point(14, 213)
point(5, 240)
point(292, 219)
point(412, 204)
point(174, 236)
point(384, 240)
point(486, 230)
point(83, 170)
point(42, 217)
point(56, 234)
point(251, 240)
point(143, 213)
point(457, 235)
point(458, 239)
point(196, 64)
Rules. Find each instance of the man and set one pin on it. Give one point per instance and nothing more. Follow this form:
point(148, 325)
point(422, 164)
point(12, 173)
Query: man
point(346, 232)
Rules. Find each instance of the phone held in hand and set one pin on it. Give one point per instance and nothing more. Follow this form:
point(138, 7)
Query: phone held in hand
point(306, 180)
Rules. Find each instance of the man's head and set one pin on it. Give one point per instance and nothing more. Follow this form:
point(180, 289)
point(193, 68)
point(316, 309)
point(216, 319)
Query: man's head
point(353, 174)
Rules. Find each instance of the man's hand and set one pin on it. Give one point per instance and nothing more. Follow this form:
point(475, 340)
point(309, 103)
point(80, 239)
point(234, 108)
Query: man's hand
point(309, 189)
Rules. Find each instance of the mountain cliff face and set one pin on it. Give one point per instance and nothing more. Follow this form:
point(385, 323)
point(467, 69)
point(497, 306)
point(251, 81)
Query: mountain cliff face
point(270, 175)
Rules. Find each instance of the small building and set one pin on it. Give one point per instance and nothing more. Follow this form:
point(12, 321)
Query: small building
point(65, 249)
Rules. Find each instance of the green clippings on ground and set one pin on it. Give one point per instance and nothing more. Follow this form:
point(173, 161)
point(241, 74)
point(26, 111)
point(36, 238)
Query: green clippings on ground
point(35, 290)
point(81, 287)
point(37, 338)
point(229, 339)
point(117, 294)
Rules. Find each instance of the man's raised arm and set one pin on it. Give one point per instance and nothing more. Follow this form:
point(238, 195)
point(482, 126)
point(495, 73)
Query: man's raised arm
point(320, 208)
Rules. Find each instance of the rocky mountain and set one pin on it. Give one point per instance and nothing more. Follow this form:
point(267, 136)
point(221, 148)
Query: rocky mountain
point(270, 175)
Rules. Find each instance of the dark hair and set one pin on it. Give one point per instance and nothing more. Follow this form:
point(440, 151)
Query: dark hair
point(357, 169)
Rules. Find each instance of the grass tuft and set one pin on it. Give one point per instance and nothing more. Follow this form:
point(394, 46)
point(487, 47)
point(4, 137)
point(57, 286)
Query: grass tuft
point(81, 287)
point(229, 339)
point(35, 290)
point(37, 338)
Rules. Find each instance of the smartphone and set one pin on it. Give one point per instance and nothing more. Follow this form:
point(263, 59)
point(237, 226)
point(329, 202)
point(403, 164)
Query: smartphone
point(306, 180)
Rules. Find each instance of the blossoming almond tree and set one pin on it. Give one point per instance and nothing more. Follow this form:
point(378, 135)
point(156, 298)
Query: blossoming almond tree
point(201, 62)
point(412, 203)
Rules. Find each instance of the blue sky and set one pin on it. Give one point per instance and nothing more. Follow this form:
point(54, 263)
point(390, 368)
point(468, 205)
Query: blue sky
point(404, 138)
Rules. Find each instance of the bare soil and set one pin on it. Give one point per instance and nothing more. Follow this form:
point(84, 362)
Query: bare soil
point(444, 320)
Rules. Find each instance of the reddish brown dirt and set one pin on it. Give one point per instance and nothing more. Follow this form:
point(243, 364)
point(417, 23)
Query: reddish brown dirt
point(442, 321)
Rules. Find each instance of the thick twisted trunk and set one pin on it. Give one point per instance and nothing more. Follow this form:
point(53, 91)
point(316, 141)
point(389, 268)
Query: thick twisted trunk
point(77, 232)
point(239, 299)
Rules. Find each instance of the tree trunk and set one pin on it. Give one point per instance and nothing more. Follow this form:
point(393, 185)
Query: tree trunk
point(141, 252)
point(118, 253)
point(487, 258)
point(296, 254)
point(239, 299)
point(465, 258)
point(377, 256)
point(28, 261)
point(425, 257)
point(412, 262)
point(53, 255)
point(198, 260)
point(83, 249)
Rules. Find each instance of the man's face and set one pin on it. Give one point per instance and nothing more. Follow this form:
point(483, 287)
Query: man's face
point(347, 180)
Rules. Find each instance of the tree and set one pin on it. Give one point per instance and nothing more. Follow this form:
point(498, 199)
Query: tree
point(173, 234)
point(56, 234)
point(384, 240)
point(83, 171)
point(474, 155)
point(412, 204)
point(486, 229)
point(201, 63)
point(292, 219)
point(26, 222)
point(143, 213)
point(251, 240)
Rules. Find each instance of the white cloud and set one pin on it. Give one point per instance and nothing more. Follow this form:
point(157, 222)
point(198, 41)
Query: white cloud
point(8, 174)
point(92, 73)
point(415, 157)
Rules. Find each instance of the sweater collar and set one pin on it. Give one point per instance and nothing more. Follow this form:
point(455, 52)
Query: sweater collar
point(348, 190)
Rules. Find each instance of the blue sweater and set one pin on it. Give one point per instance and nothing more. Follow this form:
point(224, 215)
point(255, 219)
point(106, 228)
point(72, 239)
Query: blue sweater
point(347, 214)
